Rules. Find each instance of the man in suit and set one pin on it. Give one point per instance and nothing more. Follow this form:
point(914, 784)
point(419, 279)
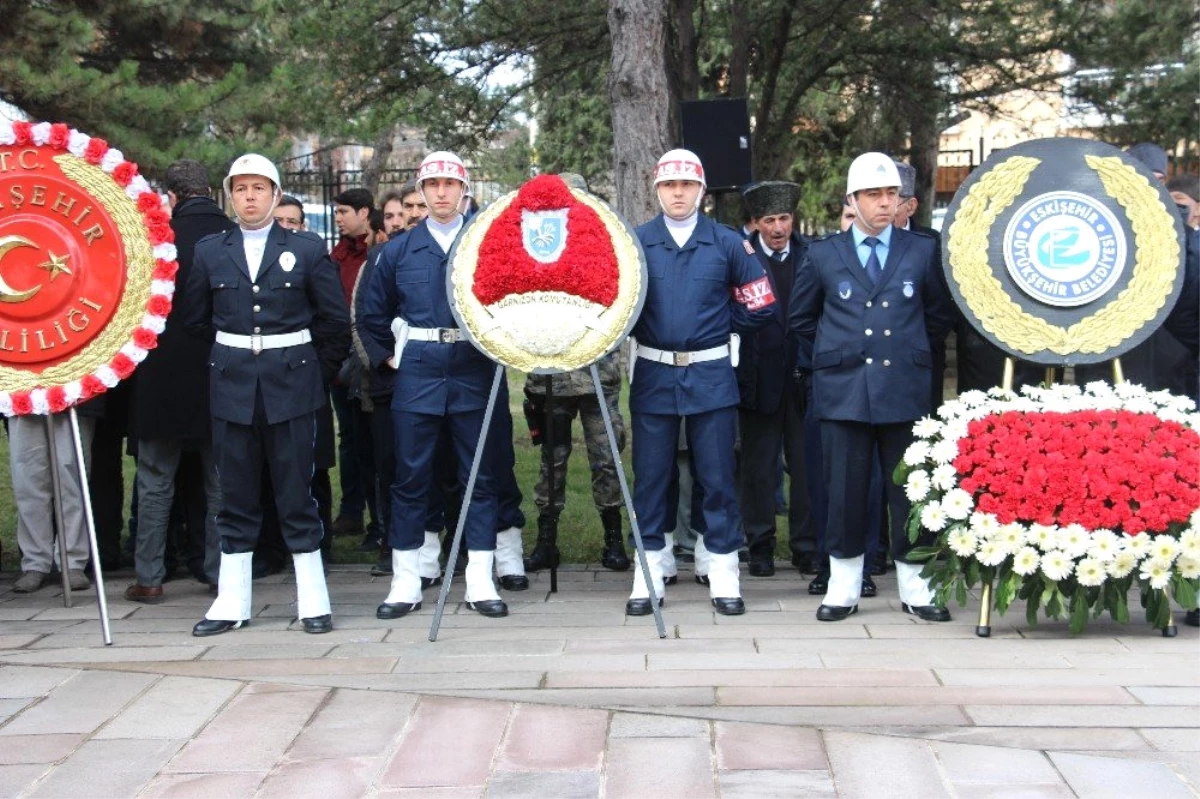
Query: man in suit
point(771, 413)
point(867, 303)
point(271, 300)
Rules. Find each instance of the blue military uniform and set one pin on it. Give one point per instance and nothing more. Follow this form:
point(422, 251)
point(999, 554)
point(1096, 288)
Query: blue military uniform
point(697, 295)
point(264, 403)
point(870, 347)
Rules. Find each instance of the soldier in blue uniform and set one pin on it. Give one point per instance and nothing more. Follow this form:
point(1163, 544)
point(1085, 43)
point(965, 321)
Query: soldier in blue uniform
point(868, 305)
point(704, 285)
point(271, 299)
point(442, 383)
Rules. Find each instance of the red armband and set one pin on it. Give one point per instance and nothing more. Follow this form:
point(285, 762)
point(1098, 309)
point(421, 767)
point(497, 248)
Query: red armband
point(756, 294)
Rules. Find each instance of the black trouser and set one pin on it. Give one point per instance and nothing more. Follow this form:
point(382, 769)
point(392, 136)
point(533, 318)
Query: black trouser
point(762, 434)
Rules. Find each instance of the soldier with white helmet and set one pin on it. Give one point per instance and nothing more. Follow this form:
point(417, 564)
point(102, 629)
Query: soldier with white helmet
point(270, 300)
point(868, 306)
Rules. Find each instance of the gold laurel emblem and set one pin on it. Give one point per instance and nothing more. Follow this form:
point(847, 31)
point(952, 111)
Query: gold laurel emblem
point(1155, 245)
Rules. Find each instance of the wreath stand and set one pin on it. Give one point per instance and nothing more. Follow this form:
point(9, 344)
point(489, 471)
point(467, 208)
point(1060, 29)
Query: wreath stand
point(983, 627)
point(470, 487)
point(89, 518)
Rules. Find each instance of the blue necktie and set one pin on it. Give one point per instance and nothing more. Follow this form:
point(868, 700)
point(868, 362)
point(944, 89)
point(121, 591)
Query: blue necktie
point(874, 268)
point(777, 257)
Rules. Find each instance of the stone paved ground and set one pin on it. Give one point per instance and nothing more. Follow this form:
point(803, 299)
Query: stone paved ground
point(568, 698)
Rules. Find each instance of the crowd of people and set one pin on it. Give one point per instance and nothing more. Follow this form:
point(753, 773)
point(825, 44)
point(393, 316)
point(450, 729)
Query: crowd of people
point(757, 352)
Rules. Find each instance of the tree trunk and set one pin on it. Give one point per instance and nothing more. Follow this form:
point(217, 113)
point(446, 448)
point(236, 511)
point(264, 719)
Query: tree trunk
point(739, 48)
point(641, 101)
point(381, 151)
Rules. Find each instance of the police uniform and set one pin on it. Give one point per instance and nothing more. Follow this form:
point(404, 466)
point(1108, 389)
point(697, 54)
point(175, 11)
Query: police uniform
point(697, 295)
point(871, 359)
point(275, 335)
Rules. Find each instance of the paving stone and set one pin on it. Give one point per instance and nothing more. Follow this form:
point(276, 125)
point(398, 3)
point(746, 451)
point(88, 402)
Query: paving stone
point(1075, 676)
point(664, 768)
point(924, 695)
point(15, 779)
point(727, 662)
point(234, 785)
point(771, 678)
point(81, 704)
point(107, 768)
point(175, 708)
point(11, 707)
point(467, 792)
point(857, 761)
point(42, 627)
point(641, 725)
point(251, 733)
point(543, 738)
point(972, 763)
point(764, 747)
point(85, 608)
point(17, 750)
point(470, 729)
point(416, 665)
point(294, 651)
point(1058, 738)
point(101, 654)
point(935, 716)
point(704, 647)
point(475, 648)
point(17, 641)
point(427, 682)
point(775, 784)
point(354, 724)
point(1138, 661)
point(493, 633)
point(266, 668)
point(321, 779)
point(1171, 740)
point(559, 784)
point(19, 613)
point(1008, 790)
point(598, 697)
point(1101, 777)
point(809, 630)
point(918, 657)
point(1091, 716)
point(1167, 696)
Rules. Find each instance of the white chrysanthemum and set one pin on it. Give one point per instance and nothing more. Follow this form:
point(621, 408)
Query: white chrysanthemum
point(933, 517)
point(1043, 536)
point(945, 477)
point(1157, 571)
point(1103, 545)
point(1127, 390)
point(916, 453)
point(1073, 539)
point(926, 427)
point(1057, 565)
point(1098, 388)
point(948, 410)
point(1090, 572)
point(961, 542)
point(1122, 564)
point(1189, 544)
point(955, 429)
point(984, 525)
point(916, 488)
point(1188, 567)
point(990, 553)
point(957, 503)
point(1163, 547)
point(1010, 536)
point(944, 451)
point(1026, 561)
point(1181, 404)
point(1139, 545)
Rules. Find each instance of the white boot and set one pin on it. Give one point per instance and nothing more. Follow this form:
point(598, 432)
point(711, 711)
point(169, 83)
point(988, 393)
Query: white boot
point(724, 589)
point(233, 588)
point(510, 562)
point(914, 589)
point(670, 570)
point(312, 594)
point(428, 566)
point(702, 556)
point(639, 598)
point(845, 582)
point(481, 591)
point(406, 581)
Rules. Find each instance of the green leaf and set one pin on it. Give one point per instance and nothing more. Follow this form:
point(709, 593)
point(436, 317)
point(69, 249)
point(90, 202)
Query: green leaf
point(1122, 612)
point(1054, 605)
point(1079, 612)
point(901, 472)
point(962, 593)
point(1031, 607)
point(1184, 591)
point(914, 525)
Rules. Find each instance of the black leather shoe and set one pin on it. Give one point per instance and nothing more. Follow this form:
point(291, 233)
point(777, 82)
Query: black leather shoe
point(819, 585)
point(383, 568)
point(514, 582)
point(835, 612)
point(1192, 618)
point(672, 580)
point(702, 579)
point(396, 610)
point(216, 626)
point(493, 608)
point(640, 607)
point(430, 582)
point(318, 624)
point(761, 567)
point(613, 557)
point(729, 606)
point(926, 612)
point(868, 587)
point(879, 566)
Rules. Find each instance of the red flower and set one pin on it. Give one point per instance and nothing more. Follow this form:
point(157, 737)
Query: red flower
point(148, 201)
point(60, 134)
point(92, 386)
point(95, 150)
point(144, 338)
point(159, 305)
point(124, 173)
point(122, 365)
point(165, 270)
point(160, 234)
point(21, 403)
point(56, 398)
point(23, 133)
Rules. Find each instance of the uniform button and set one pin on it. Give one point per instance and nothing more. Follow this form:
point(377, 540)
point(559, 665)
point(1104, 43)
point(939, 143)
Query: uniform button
point(887, 363)
point(887, 332)
point(258, 330)
point(257, 308)
point(868, 303)
point(885, 303)
point(870, 360)
point(287, 285)
point(868, 331)
point(255, 289)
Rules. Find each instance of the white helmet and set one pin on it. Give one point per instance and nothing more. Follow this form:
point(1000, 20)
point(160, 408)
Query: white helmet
point(872, 171)
point(679, 165)
point(251, 164)
point(444, 164)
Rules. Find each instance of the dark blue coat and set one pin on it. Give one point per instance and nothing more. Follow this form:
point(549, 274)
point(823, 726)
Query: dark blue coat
point(409, 281)
point(871, 345)
point(690, 306)
point(768, 356)
point(221, 296)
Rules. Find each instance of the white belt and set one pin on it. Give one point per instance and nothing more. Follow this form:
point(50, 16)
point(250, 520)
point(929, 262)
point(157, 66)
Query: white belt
point(257, 344)
point(682, 358)
point(445, 335)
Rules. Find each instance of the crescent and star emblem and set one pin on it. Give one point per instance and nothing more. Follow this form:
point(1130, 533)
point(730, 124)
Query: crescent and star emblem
point(56, 265)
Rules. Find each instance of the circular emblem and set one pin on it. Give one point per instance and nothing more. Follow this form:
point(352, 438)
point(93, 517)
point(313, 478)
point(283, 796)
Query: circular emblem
point(86, 267)
point(547, 279)
point(1064, 249)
